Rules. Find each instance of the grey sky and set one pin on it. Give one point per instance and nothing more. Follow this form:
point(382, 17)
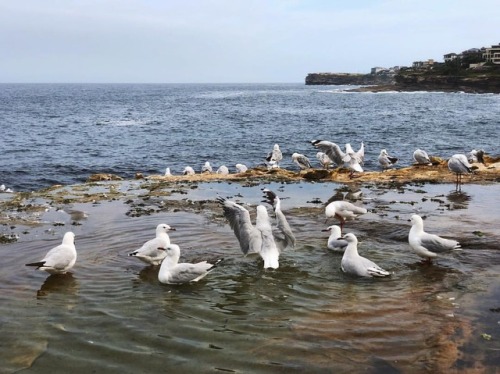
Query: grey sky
point(224, 41)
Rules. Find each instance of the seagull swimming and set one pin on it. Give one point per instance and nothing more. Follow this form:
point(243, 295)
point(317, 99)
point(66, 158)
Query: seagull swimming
point(354, 264)
point(259, 238)
point(335, 241)
point(344, 211)
point(301, 161)
point(240, 168)
point(223, 170)
point(421, 157)
point(332, 150)
point(207, 168)
point(171, 272)
point(275, 156)
point(151, 252)
point(188, 170)
point(324, 159)
point(427, 245)
point(385, 160)
point(459, 165)
point(59, 259)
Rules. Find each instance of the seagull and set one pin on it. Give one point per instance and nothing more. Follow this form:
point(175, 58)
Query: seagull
point(151, 252)
point(167, 172)
point(332, 150)
point(459, 165)
point(206, 168)
point(323, 159)
point(223, 170)
point(283, 233)
point(240, 168)
point(302, 161)
point(475, 156)
point(354, 264)
point(344, 211)
point(275, 155)
point(360, 154)
point(188, 170)
point(353, 160)
point(255, 239)
point(335, 242)
point(171, 272)
point(421, 157)
point(385, 160)
point(59, 259)
point(427, 245)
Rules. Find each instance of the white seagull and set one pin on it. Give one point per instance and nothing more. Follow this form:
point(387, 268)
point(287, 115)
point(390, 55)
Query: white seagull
point(359, 154)
point(152, 251)
point(275, 156)
point(59, 259)
point(240, 168)
point(353, 160)
point(171, 272)
point(425, 245)
point(354, 264)
point(421, 157)
point(283, 233)
point(188, 170)
point(475, 156)
point(167, 172)
point(332, 150)
point(301, 161)
point(207, 168)
point(324, 160)
point(385, 160)
point(459, 165)
point(335, 241)
point(255, 239)
point(223, 170)
point(344, 211)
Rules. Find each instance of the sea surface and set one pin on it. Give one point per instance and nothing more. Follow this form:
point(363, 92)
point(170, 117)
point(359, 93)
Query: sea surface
point(111, 315)
point(62, 133)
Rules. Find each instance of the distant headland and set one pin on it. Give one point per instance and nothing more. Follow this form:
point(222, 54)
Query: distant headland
point(473, 71)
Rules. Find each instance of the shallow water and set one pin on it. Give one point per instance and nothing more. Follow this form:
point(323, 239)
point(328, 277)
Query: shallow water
point(111, 314)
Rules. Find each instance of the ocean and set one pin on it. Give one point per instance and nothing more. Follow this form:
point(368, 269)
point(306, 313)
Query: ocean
point(63, 133)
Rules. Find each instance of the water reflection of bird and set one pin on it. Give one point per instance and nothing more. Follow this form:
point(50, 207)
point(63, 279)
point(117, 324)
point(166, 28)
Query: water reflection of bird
point(425, 245)
point(150, 252)
point(173, 272)
point(335, 241)
point(354, 264)
point(59, 259)
point(59, 283)
point(344, 211)
point(459, 165)
point(459, 199)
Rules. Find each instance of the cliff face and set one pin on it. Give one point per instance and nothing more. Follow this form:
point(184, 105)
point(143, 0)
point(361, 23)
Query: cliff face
point(348, 79)
point(419, 82)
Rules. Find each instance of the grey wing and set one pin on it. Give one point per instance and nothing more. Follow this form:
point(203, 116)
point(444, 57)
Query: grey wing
point(239, 220)
point(305, 161)
point(437, 244)
point(332, 150)
point(283, 235)
point(373, 269)
point(184, 273)
point(337, 244)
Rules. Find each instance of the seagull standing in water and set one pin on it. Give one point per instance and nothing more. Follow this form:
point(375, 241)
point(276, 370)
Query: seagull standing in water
point(335, 241)
point(421, 157)
point(344, 211)
point(332, 150)
point(459, 165)
point(259, 238)
point(59, 259)
point(151, 252)
point(301, 161)
point(425, 245)
point(354, 264)
point(171, 272)
point(385, 160)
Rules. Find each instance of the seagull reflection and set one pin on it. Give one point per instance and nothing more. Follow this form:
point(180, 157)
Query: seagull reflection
point(58, 283)
point(458, 199)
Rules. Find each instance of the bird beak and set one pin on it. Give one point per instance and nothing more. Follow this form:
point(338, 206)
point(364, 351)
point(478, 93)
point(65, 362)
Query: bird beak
point(173, 229)
point(161, 249)
point(325, 230)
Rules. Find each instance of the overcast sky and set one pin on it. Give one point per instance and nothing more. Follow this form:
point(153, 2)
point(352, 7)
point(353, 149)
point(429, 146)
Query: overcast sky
point(231, 41)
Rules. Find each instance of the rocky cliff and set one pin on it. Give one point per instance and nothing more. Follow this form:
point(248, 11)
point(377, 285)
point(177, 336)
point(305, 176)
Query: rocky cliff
point(449, 83)
point(348, 79)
